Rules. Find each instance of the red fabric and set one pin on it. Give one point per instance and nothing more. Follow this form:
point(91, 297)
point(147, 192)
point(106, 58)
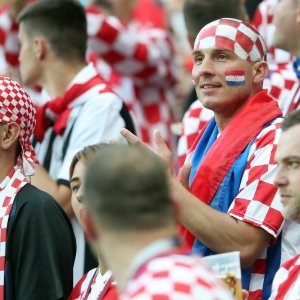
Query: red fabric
point(61, 109)
point(148, 11)
point(249, 121)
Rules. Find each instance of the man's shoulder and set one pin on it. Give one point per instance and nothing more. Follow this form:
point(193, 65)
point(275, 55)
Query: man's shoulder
point(270, 133)
point(176, 274)
point(34, 198)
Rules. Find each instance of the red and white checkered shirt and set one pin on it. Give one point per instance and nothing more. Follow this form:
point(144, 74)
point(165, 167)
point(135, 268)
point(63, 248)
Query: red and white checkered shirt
point(146, 56)
point(9, 43)
point(169, 275)
point(196, 117)
point(258, 201)
point(286, 284)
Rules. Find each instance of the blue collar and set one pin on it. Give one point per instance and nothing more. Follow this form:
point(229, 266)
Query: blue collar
point(296, 66)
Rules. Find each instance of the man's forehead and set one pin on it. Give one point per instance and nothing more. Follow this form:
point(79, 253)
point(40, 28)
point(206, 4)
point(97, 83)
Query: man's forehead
point(212, 50)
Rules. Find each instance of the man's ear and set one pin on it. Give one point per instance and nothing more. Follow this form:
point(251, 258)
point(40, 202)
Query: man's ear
point(10, 135)
point(260, 71)
point(40, 47)
point(88, 225)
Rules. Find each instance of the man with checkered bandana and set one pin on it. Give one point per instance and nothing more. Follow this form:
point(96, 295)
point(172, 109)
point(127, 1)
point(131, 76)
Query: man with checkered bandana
point(227, 200)
point(37, 245)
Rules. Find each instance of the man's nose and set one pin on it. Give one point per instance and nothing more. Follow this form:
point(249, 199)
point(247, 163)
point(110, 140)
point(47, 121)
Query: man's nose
point(280, 177)
point(203, 69)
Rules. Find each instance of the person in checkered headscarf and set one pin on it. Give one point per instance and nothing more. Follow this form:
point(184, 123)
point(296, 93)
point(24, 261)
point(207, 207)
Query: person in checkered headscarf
point(227, 197)
point(130, 215)
point(37, 243)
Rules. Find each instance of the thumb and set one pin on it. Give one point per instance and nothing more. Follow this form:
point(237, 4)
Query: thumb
point(185, 175)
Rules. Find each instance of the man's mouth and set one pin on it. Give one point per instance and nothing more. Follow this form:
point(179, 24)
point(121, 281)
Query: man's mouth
point(207, 86)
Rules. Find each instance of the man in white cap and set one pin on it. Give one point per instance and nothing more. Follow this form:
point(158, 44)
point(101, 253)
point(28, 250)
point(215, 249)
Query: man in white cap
point(37, 245)
point(230, 201)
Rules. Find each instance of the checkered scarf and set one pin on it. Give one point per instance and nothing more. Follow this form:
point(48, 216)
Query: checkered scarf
point(9, 188)
point(16, 106)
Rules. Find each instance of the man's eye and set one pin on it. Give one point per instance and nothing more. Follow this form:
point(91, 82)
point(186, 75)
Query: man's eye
point(222, 56)
point(293, 164)
point(198, 59)
point(75, 187)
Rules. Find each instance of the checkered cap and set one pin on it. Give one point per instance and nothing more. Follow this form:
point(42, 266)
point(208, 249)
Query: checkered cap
point(16, 106)
point(235, 35)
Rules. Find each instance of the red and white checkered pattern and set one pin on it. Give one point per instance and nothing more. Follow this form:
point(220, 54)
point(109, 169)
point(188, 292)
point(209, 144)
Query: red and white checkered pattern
point(196, 117)
point(9, 188)
point(145, 56)
point(234, 35)
point(258, 201)
point(16, 106)
point(93, 286)
point(9, 44)
point(286, 283)
point(263, 23)
point(173, 277)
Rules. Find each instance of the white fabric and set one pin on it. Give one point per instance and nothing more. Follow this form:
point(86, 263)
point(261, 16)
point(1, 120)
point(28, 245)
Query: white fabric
point(96, 121)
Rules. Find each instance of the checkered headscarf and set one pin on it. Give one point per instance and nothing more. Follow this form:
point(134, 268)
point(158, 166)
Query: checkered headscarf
point(16, 106)
point(235, 35)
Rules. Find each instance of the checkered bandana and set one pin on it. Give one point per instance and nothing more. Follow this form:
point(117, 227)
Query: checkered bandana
point(16, 106)
point(234, 35)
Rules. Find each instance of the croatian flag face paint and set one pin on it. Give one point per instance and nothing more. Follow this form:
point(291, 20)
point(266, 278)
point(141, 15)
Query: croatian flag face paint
point(235, 78)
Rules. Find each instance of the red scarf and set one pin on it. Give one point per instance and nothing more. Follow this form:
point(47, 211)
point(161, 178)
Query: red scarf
point(56, 112)
point(245, 125)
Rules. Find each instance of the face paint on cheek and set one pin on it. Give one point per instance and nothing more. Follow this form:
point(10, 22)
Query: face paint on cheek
point(235, 78)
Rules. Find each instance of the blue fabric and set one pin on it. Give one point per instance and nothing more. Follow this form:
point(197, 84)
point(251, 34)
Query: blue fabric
point(296, 66)
point(223, 198)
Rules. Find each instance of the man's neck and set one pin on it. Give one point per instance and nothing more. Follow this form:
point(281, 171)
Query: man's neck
point(224, 118)
point(58, 75)
point(7, 162)
point(120, 250)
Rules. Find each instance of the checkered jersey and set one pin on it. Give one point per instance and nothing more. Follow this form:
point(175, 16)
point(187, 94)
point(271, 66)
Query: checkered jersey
point(286, 284)
point(280, 83)
point(175, 277)
point(263, 22)
point(146, 56)
point(195, 118)
point(9, 43)
point(9, 188)
point(258, 201)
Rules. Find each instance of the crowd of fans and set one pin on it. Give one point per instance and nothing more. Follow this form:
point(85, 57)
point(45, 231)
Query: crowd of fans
point(139, 136)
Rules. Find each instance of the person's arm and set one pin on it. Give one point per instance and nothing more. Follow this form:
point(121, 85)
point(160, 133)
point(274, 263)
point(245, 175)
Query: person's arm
point(41, 248)
point(220, 231)
point(147, 57)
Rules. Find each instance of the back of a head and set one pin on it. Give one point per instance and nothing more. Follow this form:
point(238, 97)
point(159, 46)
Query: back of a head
point(198, 13)
point(62, 22)
point(126, 188)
